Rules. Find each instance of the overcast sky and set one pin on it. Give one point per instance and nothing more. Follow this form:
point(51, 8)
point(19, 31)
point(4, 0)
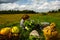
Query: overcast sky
point(36, 5)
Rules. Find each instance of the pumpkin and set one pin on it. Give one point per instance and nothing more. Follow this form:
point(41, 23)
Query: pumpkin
point(15, 29)
point(5, 31)
point(54, 33)
point(50, 32)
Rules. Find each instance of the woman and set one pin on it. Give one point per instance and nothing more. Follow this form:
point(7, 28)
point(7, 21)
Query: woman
point(24, 17)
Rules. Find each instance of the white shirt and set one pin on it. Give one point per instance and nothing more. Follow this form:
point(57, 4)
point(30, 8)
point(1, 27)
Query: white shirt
point(21, 23)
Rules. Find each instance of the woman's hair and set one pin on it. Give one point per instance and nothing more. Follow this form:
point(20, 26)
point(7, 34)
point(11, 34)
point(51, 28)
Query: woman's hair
point(25, 17)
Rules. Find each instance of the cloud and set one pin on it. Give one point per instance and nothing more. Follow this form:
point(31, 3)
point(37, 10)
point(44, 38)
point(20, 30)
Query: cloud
point(8, 6)
point(45, 5)
point(38, 6)
point(7, 1)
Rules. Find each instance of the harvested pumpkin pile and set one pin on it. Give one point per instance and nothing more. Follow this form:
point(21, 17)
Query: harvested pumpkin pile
point(8, 33)
point(49, 32)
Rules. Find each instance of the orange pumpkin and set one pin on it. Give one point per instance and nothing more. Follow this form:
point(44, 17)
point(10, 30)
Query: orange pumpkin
point(5, 31)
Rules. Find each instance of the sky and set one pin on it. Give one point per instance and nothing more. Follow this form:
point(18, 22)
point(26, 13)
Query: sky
point(35, 5)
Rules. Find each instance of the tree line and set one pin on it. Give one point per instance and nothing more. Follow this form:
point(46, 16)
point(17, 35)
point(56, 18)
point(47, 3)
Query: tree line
point(26, 12)
point(54, 11)
point(17, 12)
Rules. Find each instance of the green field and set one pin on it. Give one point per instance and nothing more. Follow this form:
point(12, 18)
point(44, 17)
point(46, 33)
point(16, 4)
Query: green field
point(10, 19)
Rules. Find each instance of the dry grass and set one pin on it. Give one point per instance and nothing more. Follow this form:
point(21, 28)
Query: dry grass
point(10, 18)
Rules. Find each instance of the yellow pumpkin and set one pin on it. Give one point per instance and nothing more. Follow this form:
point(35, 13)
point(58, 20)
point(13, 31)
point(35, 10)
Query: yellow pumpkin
point(47, 31)
point(5, 31)
point(15, 29)
point(52, 25)
point(54, 33)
